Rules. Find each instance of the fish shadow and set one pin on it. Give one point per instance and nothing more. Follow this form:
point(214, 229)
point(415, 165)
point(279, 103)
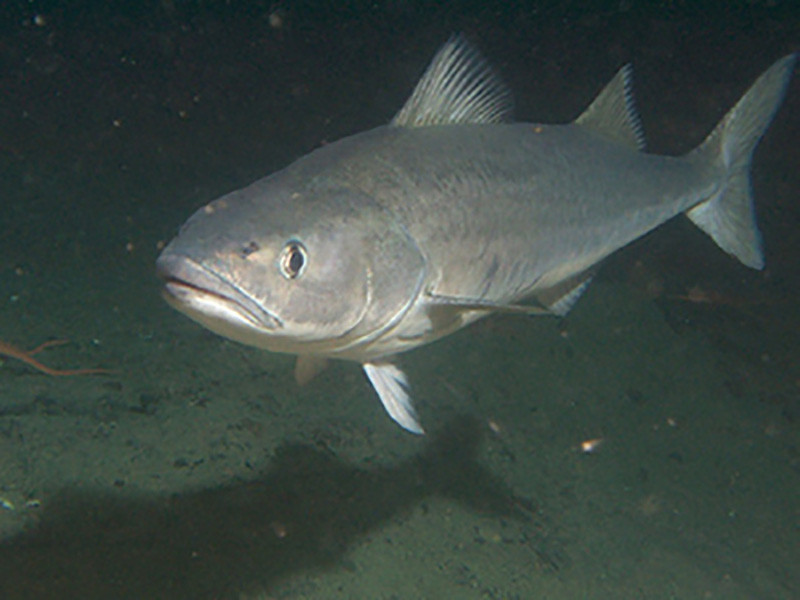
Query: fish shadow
point(305, 512)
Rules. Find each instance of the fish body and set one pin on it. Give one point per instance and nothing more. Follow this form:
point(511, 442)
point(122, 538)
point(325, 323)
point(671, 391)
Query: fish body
point(389, 239)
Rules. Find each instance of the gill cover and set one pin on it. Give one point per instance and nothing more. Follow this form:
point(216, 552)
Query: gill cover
point(393, 276)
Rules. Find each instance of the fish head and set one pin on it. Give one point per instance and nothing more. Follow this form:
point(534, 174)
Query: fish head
point(293, 271)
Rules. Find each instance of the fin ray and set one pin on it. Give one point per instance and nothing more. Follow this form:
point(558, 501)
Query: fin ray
point(613, 112)
point(458, 87)
point(391, 385)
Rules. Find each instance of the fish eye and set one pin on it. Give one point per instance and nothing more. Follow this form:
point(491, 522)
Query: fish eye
point(293, 260)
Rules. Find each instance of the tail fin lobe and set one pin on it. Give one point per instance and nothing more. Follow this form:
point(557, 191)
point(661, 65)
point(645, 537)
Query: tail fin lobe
point(728, 216)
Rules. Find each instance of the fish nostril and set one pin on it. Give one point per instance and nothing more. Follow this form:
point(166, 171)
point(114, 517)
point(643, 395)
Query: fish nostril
point(249, 249)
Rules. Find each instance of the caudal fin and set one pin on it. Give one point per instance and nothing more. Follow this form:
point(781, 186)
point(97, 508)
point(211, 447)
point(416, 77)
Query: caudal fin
point(728, 216)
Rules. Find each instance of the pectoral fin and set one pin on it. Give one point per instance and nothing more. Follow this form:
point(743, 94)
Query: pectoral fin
point(392, 387)
point(464, 304)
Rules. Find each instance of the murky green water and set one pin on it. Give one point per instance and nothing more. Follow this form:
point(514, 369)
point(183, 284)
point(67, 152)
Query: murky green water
point(200, 470)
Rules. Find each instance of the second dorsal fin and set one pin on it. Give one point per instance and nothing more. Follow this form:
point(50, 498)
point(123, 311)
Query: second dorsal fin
point(613, 113)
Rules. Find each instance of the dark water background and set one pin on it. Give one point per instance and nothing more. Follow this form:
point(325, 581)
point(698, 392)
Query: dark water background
point(200, 471)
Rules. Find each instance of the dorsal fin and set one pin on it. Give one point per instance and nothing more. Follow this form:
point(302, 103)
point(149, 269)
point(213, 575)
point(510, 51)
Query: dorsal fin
point(458, 87)
point(613, 113)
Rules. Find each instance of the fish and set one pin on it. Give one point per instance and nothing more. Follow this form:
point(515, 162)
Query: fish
point(395, 237)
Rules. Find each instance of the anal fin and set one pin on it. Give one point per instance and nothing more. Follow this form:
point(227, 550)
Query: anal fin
point(560, 298)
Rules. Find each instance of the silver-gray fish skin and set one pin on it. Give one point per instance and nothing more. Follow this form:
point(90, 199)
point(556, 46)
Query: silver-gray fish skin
point(392, 238)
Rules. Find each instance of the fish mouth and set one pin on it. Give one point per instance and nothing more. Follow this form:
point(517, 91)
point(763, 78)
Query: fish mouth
point(209, 298)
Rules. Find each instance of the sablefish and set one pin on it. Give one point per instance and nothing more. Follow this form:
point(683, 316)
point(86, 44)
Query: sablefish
point(392, 238)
